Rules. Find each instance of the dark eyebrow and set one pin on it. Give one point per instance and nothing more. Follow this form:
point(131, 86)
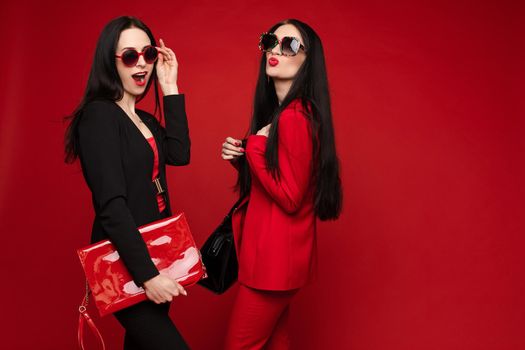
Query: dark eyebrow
point(135, 48)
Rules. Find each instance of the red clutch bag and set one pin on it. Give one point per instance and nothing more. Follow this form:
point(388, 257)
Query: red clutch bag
point(172, 249)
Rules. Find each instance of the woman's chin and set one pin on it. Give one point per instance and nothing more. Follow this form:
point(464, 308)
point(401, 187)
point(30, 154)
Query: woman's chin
point(136, 90)
point(278, 77)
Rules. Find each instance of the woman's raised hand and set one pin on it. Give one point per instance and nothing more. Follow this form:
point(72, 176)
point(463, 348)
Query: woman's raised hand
point(167, 69)
point(232, 149)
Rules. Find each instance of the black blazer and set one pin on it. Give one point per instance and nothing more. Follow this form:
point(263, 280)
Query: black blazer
point(117, 163)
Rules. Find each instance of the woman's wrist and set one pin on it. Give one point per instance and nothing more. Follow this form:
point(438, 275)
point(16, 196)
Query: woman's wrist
point(148, 282)
point(170, 89)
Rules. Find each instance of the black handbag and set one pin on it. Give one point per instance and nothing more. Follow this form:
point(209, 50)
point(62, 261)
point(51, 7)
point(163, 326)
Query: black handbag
point(219, 256)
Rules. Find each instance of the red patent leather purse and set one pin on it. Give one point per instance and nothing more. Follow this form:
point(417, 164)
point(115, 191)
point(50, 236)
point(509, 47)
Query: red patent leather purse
point(172, 249)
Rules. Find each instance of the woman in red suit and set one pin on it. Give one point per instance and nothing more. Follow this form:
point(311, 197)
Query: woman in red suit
point(289, 175)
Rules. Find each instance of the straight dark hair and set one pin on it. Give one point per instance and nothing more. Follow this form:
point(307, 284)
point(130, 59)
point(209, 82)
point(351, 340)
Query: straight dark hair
point(104, 82)
point(311, 87)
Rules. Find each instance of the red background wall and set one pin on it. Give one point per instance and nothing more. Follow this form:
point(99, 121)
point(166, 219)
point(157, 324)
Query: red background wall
point(428, 253)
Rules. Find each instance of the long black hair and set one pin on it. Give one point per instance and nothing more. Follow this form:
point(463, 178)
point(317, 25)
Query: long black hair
point(104, 82)
point(310, 85)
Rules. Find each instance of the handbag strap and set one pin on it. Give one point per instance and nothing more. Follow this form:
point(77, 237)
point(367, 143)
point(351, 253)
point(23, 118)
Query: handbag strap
point(235, 206)
point(84, 318)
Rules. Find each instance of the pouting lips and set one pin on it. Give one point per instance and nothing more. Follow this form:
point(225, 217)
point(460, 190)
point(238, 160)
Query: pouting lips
point(139, 76)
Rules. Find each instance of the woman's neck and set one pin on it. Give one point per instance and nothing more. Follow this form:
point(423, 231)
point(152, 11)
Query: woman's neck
point(281, 88)
point(127, 103)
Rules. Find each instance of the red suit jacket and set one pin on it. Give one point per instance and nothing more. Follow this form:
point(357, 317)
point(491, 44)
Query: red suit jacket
point(275, 233)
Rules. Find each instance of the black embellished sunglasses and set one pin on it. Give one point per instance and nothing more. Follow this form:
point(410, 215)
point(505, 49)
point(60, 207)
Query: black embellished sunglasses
point(130, 57)
point(289, 45)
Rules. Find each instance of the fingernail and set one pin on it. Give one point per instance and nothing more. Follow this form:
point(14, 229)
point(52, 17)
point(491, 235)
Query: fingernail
point(242, 150)
point(237, 143)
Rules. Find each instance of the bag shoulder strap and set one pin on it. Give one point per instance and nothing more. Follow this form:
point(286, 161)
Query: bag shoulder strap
point(235, 206)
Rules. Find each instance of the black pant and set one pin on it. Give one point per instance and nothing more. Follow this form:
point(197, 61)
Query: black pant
point(149, 327)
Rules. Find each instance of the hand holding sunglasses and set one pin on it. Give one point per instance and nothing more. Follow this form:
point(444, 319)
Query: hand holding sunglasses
point(167, 70)
point(289, 45)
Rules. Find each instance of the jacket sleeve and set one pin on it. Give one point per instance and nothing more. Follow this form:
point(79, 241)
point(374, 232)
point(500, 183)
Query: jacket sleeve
point(100, 156)
point(295, 161)
point(176, 136)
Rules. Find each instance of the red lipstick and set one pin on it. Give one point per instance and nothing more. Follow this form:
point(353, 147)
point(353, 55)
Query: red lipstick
point(273, 61)
point(140, 78)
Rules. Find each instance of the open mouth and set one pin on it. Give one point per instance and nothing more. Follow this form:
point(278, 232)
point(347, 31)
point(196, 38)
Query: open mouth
point(140, 78)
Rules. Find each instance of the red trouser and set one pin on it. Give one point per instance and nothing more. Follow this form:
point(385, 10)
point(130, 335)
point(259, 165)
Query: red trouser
point(259, 320)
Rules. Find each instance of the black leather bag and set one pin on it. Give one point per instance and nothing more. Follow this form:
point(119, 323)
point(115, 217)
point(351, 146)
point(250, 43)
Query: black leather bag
point(219, 256)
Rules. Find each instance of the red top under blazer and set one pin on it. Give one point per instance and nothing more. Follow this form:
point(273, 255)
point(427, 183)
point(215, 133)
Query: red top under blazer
point(275, 233)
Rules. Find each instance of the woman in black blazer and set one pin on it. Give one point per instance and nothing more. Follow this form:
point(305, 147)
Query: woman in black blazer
point(123, 153)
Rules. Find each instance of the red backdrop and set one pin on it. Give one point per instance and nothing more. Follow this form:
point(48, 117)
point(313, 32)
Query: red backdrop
point(428, 253)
